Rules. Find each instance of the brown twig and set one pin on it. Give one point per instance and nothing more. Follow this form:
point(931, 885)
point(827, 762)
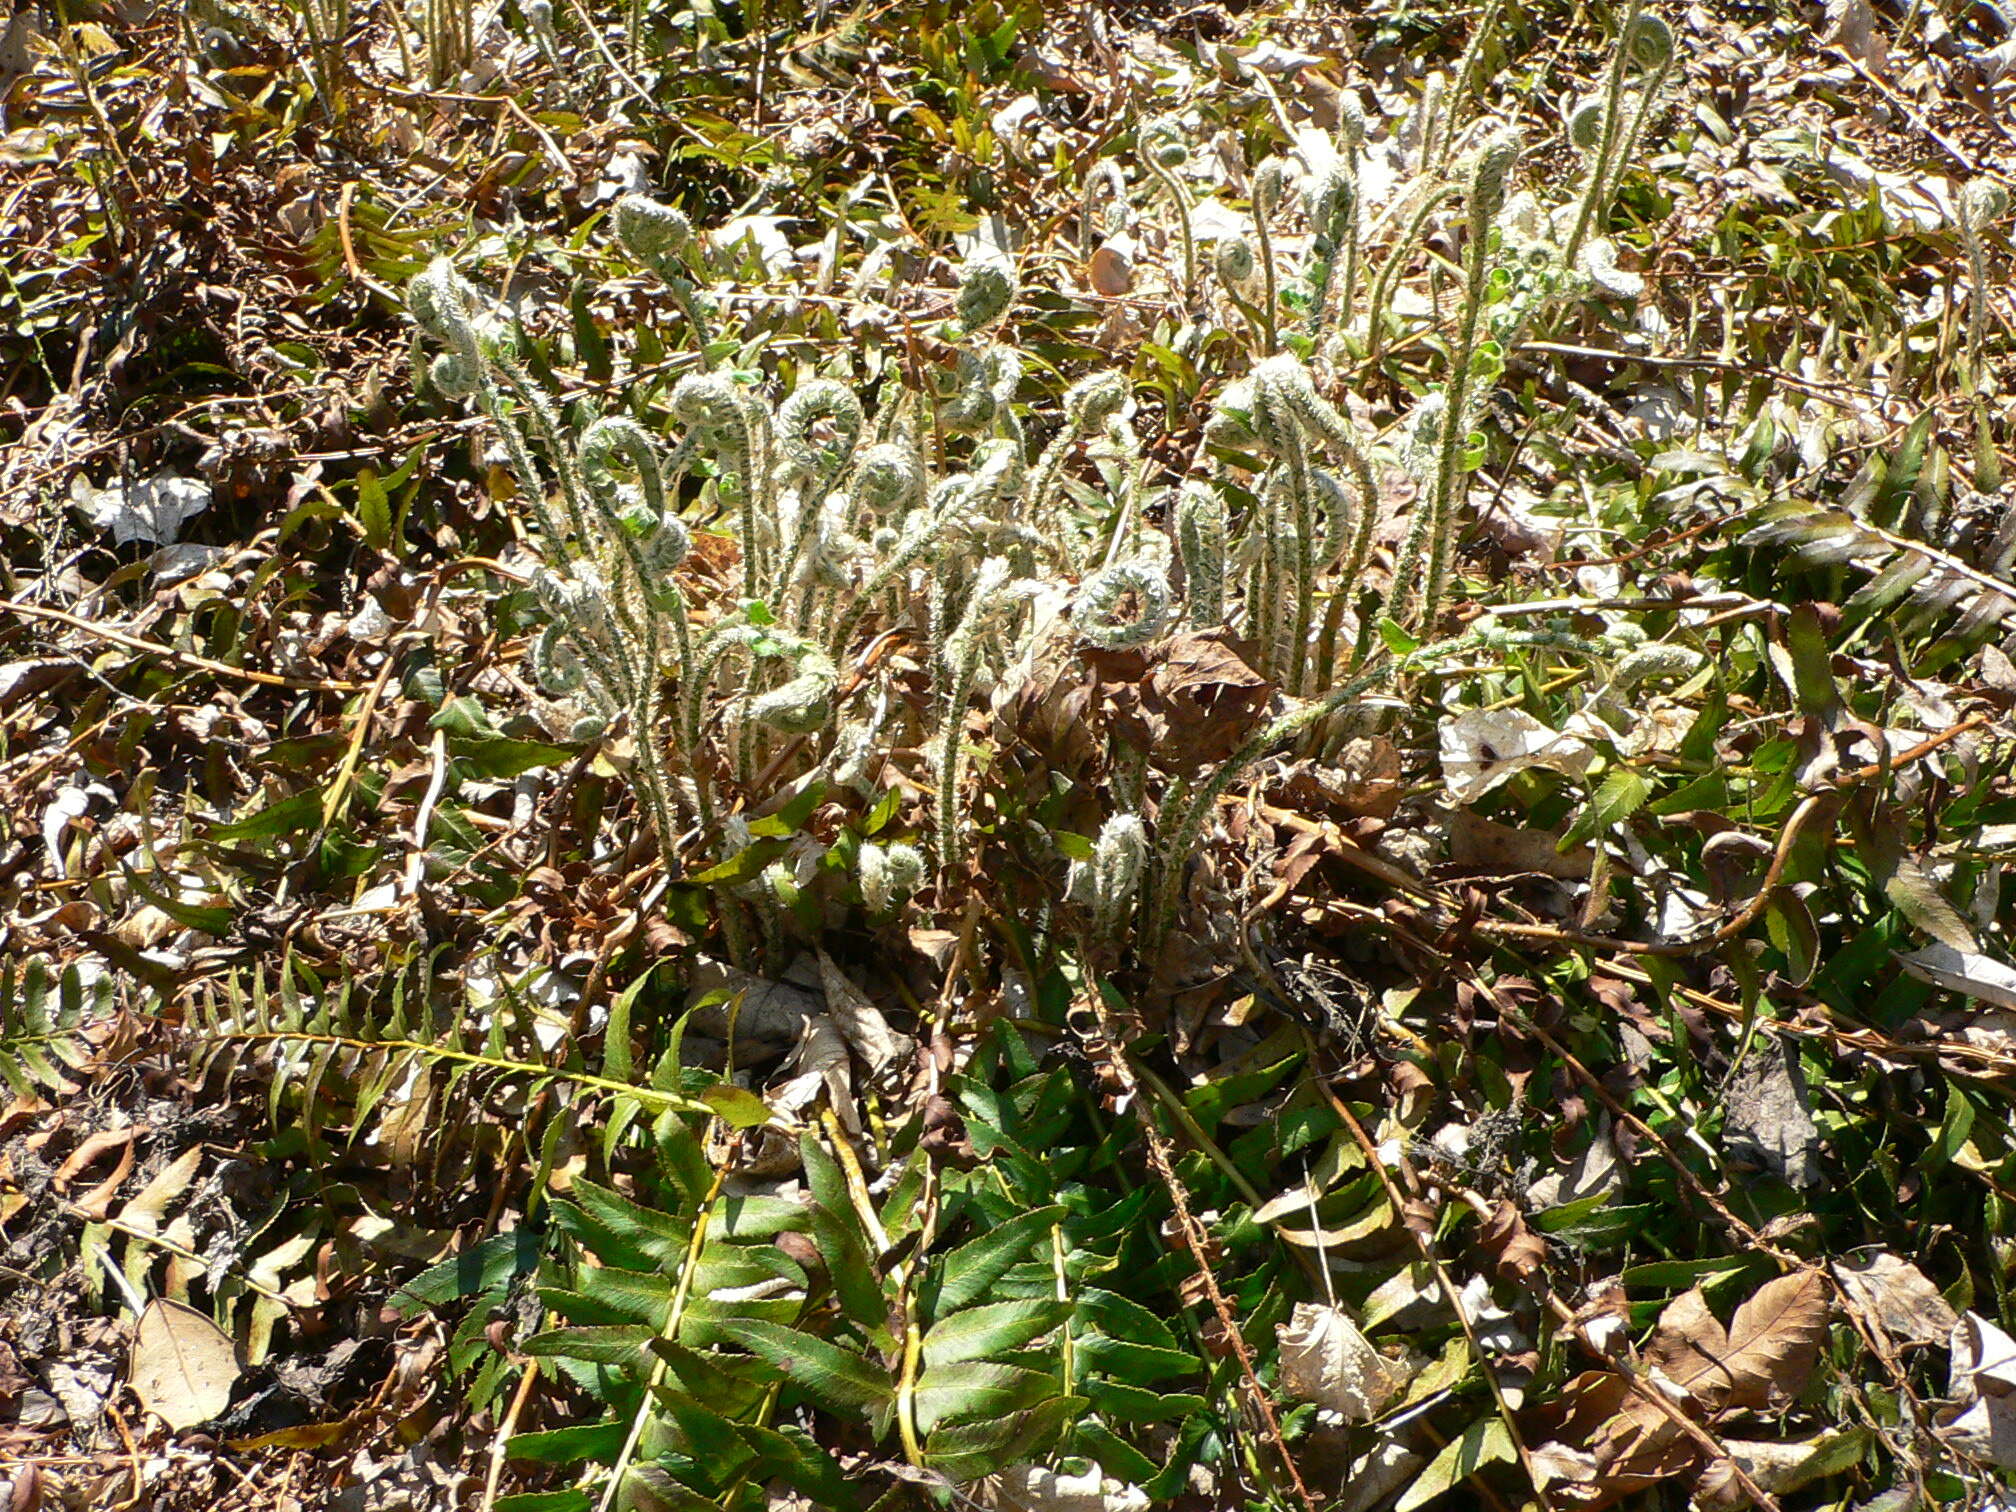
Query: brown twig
point(183, 658)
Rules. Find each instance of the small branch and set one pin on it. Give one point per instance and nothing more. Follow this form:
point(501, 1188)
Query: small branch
point(182, 658)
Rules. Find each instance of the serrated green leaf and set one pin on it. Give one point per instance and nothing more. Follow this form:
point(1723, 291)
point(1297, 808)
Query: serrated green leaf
point(494, 1263)
point(566, 1446)
point(1135, 1404)
point(977, 1388)
point(965, 1275)
point(978, 1332)
point(1137, 1364)
point(606, 1344)
point(851, 1271)
point(1122, 1318)
point(967, 1451)
point(837, 1379)
point(790, 1454)
point(1622, 792)
point(467, 718)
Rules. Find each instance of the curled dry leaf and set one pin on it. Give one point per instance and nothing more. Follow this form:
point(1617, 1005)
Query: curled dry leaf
point(1191, 700)
point(1111, 268)
point(880, 1047)
point(1326, 1360)
point(1518, 1253)
point(1983, 1380)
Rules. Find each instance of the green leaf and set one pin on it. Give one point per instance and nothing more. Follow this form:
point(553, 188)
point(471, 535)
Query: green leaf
point(711, 1322)
point(744, 866)
point(988, 1329)
point(212, 919)
point(300, 812)
point(501, 757)
point(886, 808)
point(484, 1267)
point(789, 1453)
point(1622, 792)
point(1484, 1442)
point(977, 1388)
point(1135, 1404)
point(566, 1446)
point(374, 510)
point(1123, 1318)
point(966, 1274)
point(466, 717)
point(851, 1271)
point(967, 1451)
point(609, 1344)
point(590, 345)
point(837, 1379)
point(1137, 1364)
point(737, 1106)
point(1397, 638)
point(1789, 924)
point(789, 819)
point(756, 1217)
point(548, 1501)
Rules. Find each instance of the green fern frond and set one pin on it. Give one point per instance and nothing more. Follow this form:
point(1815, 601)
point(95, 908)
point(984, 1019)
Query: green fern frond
point(43, 1018)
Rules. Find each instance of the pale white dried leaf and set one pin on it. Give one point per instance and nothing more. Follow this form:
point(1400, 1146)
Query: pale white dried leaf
point(152, 510)
point(1483, 747)
point(183, 1366)
point(1769, 1115)
point(1326, 1360)
point(1964, 971)
point(1035, 1488)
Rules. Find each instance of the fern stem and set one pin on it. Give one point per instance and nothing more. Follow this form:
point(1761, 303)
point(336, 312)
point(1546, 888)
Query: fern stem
point(674, 1314)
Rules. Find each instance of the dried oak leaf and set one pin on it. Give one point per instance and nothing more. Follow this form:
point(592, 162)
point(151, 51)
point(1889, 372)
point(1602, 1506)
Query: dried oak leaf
point(1604, 1440)
point(1190, 701)
point(1764, 1356)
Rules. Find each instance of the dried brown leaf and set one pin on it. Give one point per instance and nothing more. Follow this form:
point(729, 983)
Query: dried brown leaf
point(1765, 1354)
point(1897, 1297)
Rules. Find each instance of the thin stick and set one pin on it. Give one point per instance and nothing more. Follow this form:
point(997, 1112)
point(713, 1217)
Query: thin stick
point(183, 658)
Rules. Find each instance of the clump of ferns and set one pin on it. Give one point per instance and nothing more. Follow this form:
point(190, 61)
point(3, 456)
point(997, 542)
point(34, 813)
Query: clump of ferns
point(1316, 501)
point(845, 525)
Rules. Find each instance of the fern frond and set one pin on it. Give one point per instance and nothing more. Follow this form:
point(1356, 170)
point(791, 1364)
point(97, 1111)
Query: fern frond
point(1904, 570)
point(43, 1018)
